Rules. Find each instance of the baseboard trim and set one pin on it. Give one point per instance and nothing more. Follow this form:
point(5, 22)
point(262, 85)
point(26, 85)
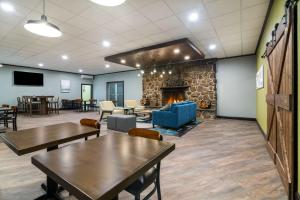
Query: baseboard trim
point(262, 132)
point(237, 118)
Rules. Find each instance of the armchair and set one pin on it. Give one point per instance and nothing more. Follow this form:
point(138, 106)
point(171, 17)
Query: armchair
point(109, 107)
point(134, 104)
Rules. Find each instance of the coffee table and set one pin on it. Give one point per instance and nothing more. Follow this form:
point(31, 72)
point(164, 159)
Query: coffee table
point(100, 168)
point(144, 113)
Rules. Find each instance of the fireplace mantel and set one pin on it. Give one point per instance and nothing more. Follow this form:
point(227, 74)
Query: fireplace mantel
point(175, 87)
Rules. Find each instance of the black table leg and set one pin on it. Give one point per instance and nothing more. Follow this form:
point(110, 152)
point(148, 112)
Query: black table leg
point(51, 188)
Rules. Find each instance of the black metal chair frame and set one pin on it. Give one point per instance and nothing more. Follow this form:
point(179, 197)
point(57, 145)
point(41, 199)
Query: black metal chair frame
point(156, 182)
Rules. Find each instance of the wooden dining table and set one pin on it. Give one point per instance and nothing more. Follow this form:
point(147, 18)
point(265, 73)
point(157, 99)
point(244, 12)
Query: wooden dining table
point(46, 137)
point(100, 168)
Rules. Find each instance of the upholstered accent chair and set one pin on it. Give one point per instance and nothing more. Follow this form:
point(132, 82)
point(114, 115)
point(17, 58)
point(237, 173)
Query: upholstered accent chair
point(108, 107)
point(135, 104)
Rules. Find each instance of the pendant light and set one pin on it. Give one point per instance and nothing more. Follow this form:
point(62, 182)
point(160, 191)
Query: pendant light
point(42, 27)
point(108, 2)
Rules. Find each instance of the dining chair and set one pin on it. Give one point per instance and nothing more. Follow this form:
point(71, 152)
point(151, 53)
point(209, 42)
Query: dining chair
point(152, 176)
point(33, 105)
point(53, 105)
point(93, 104)
point(91, 123)
point(21, 105)
point(10, 116)
point(78, 105)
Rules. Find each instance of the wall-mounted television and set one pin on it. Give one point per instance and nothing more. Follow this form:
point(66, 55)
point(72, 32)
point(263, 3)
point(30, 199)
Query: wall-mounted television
point(28, 78)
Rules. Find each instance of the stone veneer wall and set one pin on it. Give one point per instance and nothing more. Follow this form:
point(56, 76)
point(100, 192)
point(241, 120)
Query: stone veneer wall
point(200, 78)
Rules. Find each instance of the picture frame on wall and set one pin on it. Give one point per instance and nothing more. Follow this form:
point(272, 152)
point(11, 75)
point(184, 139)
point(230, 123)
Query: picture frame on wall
point(65, 86)
point(260, 77)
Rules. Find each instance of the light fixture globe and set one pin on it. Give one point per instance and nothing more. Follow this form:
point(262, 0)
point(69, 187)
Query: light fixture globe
point(108, 2)
point(42, 27)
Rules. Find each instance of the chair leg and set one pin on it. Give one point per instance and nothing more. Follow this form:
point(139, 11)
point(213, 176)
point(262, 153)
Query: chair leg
point(158, 188)
point(101, 116)
point(137, 197)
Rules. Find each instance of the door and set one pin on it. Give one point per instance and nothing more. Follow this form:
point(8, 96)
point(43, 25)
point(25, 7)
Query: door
point(115, 92)
point(86, 92)
point(280, 100)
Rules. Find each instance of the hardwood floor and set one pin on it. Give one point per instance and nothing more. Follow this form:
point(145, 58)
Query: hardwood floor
point(217, 160)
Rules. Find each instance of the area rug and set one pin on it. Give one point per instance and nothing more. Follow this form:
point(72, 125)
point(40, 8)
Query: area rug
point(177, 132)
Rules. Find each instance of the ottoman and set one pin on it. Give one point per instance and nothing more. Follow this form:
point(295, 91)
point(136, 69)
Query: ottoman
point(121, 122)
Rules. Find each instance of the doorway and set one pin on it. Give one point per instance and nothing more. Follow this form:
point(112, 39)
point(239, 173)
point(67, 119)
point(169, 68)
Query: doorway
point(86, 92)
point(115, 92)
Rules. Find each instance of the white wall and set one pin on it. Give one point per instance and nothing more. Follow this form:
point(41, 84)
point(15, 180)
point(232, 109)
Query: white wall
point(9, 92)
point(236, 92)
point(133, 86)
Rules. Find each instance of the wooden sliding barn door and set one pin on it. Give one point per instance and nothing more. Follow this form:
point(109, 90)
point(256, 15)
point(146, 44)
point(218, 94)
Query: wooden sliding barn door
point(280, 97)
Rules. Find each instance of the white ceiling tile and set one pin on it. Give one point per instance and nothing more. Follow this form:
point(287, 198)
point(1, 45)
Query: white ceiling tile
point(247, 3)
point(134, 19)
point(156, 11)
point(257, 11)
point(121, 10)
point(207, 34)
point(222, 7)
point(75, 7)
point(148, 29)
point(227, 20)
point(96, 15)
point(117, 26)
point(229, 30)
point(169, 23)
point(54, 11)
point(255, 23)
point(97, 35)
point(141, 3)
point(180, 6)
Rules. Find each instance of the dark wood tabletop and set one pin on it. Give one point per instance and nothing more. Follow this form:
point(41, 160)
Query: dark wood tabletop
point(47, 137)
point(101, 168)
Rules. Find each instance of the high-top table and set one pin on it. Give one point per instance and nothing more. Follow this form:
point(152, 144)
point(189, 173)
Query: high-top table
point(47, 137)
point(100, 168)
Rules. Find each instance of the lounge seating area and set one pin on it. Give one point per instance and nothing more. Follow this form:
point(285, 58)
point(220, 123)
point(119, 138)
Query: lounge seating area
point(149, 100)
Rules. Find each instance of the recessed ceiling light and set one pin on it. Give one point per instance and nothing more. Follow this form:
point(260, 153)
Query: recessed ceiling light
point(41, 65)
point(151, 73)
point(187, 57)
point(1, 65)
point(107, 65)
point(108, 2)
point(154, 71)
point(170, 72)
point(80, 70)
point(142, 71)
point(161, 76)
point(212, 46)
point(193, 17)
point(65, 57)
point(7, 7)
point(163, 72)
point(176, 51)
point(105, 43)
point(123, 61)
point(139, 75)
point(137, 65)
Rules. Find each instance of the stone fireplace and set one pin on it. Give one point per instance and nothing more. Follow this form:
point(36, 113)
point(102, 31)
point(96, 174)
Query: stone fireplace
point(173, 94)
point(194, 82)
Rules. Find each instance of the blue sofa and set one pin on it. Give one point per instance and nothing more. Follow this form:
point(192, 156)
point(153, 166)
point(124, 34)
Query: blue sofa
point(176, 116)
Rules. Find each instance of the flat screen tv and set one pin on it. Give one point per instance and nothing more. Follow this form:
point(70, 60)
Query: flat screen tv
point(28, 78)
